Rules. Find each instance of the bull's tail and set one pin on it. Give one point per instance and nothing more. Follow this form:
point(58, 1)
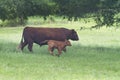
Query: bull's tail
point(20, 45)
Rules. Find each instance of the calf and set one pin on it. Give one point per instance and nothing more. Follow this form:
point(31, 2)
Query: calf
point(59, 45)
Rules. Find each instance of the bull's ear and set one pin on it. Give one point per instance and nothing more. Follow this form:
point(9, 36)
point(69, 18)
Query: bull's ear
point(73, 30)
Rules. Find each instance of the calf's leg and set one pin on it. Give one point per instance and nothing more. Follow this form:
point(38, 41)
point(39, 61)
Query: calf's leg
point(59, 52)
point(51, 50)
point(64, 49)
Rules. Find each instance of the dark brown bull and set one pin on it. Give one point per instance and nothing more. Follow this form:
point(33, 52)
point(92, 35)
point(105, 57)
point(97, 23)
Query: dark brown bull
point(37, 35)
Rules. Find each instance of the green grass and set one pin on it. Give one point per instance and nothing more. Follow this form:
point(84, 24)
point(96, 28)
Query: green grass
point(96, 56)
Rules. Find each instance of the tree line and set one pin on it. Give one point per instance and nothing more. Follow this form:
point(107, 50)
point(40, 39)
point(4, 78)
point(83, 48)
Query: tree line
point(103, 11)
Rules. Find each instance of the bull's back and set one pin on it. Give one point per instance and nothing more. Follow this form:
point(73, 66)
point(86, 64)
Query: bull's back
point(38, 34)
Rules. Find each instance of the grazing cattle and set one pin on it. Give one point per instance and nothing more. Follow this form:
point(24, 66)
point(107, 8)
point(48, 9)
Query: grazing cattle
point(59, 45)
point(37, 35)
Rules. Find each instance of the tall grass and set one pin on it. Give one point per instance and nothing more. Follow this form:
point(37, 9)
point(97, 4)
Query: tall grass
point(94, 57)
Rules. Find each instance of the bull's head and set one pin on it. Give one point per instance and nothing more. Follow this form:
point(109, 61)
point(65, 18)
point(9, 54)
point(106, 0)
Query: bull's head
point(73, 35)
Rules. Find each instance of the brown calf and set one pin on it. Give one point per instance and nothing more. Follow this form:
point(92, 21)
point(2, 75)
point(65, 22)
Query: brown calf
point(59, 45)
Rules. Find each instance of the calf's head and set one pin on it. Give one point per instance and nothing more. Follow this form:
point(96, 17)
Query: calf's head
point(67, 43)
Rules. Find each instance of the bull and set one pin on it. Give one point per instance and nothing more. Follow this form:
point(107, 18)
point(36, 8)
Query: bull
point(38, 34)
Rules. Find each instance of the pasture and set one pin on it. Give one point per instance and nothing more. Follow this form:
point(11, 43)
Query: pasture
point(96, 56)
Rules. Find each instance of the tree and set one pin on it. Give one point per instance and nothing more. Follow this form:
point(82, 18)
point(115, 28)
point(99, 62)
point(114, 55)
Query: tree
point(43, 8)
point(15, 10)
point(20, 10)
point(76, 8)
point(105, 9)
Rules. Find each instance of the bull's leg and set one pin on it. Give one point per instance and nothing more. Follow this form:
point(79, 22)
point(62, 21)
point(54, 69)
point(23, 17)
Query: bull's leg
point(23, 45)
point(30, 46)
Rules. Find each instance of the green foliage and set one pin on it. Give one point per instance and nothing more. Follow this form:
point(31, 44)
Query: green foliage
point(71, 9)
point(22, 9)
point(76, 8)
point(13, 23)
point(108, 9)
point(43, 7)
point(105, 9)
point(108, 17)
point(15, 10)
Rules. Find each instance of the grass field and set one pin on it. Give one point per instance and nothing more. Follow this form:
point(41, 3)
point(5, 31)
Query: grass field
point(96, 56)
